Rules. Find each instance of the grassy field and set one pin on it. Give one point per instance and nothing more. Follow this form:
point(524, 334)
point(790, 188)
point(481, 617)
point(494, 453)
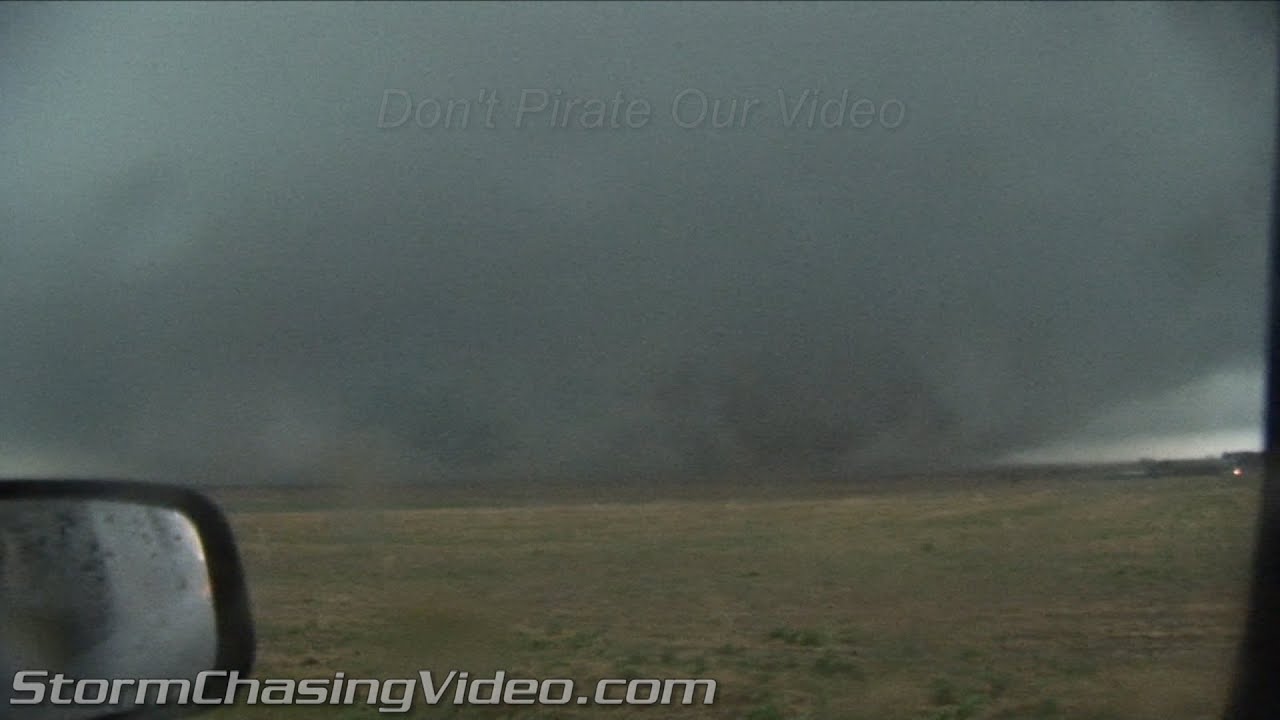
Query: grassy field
point(1089, 599)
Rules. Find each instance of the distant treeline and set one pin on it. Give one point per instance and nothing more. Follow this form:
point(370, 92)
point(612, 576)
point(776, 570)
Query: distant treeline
point(1231, 463)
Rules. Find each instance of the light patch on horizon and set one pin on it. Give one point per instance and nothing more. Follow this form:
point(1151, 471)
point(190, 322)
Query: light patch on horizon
point(1216, 414)
point(1130, 449)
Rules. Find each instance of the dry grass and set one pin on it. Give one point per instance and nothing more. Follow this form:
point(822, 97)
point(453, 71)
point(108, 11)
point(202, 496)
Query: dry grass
point(1098, 599)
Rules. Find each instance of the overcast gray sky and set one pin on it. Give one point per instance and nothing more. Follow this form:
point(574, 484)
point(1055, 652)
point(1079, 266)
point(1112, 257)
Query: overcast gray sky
point(239, 243)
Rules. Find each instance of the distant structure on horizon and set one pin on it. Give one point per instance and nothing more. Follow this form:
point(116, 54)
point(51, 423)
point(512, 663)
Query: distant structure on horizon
point(1246, 462)
point(1229, 463)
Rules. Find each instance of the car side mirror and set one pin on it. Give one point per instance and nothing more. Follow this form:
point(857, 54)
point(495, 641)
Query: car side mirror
point(108, 583)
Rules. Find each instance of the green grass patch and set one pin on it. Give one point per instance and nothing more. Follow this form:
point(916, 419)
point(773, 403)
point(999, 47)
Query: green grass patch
point(1042, 599)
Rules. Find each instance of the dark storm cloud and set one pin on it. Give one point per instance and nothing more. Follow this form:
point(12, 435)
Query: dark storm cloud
point(215, 261)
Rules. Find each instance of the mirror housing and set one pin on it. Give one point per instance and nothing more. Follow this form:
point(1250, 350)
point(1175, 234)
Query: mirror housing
point(116, 581)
